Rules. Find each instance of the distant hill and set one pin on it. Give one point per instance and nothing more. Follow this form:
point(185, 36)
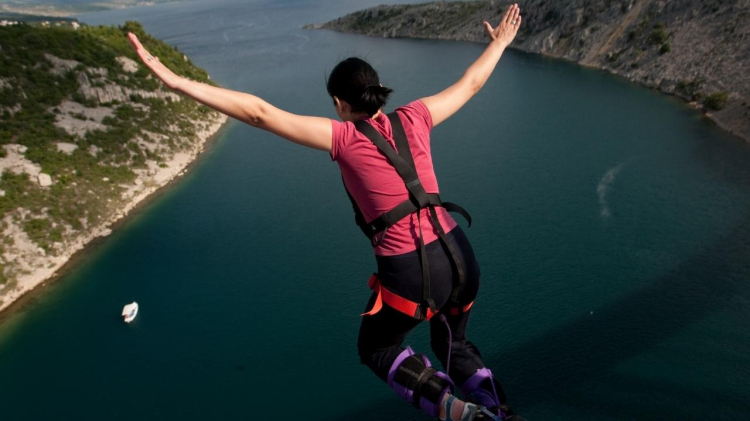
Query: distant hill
point(698, 50)
point(85, 133)
point(69, 7)
point(34, 19)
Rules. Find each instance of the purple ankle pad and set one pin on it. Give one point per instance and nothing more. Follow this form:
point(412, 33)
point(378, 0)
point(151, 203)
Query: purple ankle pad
point(476, 380)
point(426, 361)
point(446, 378)
point(475, 393)
point(433, 408)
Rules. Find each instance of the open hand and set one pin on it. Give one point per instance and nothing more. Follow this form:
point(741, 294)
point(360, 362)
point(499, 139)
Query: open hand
point(507, 29)
point(157, 68)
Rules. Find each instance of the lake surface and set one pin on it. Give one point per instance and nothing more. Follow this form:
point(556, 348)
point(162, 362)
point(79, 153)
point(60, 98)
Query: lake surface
point(612, 224)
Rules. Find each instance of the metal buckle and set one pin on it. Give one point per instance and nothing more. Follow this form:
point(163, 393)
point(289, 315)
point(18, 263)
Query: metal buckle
point(378, 238)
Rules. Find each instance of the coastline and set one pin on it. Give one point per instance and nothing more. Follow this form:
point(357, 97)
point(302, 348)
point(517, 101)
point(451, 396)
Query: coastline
point(708, 115)
point(66, 11)
point(705, 113)
point(654, 44)
point(150, 187)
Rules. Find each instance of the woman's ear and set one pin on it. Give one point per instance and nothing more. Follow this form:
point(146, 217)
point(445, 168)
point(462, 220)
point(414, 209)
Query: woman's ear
point(342, 107)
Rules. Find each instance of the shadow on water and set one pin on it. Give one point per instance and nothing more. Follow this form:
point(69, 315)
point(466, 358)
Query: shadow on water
point(557, 367)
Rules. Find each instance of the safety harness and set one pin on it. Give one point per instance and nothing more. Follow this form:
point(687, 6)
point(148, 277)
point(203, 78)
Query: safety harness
point(402, 160)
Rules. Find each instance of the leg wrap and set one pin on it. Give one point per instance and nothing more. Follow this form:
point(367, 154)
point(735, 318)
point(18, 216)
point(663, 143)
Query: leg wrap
point(414, 379)
point(483, 389)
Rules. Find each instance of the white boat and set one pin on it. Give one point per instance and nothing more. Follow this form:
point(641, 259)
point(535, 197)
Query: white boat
point(130, 311)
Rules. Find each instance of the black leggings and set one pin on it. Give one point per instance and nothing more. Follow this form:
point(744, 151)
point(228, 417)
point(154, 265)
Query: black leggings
point(381, 335)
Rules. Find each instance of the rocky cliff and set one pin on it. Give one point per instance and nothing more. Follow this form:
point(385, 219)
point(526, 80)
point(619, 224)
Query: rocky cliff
point(698, 50)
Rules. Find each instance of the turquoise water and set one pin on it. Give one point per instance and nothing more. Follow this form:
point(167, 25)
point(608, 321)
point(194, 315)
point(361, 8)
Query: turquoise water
point(611, 223)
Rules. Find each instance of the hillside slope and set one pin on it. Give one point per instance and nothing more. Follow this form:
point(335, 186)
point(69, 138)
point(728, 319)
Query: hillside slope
point(61, 8)
point(85, 133)
point(698, 50)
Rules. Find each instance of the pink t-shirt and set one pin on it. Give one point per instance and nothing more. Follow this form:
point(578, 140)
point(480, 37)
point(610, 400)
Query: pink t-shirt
point(375, 184)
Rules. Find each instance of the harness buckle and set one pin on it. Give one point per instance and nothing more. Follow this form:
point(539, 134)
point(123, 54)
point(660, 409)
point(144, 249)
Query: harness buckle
point(426, 309)
point(377, 238)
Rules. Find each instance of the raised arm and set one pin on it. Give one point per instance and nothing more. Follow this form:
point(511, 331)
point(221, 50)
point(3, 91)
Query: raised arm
point(313, 132)
point(447, 102)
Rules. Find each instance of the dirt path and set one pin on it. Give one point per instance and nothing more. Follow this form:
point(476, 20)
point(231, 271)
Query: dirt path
point(632, 15)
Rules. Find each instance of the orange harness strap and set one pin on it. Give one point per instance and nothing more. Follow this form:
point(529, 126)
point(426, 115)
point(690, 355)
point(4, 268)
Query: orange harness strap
point(399, 303)
point(456, 310)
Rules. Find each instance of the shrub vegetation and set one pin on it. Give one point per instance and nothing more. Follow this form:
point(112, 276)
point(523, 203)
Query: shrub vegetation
point(87, 186)
point(716, 101)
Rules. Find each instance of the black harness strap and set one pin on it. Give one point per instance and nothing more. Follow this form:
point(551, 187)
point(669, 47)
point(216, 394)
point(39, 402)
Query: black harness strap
point(359, 219)
point(403, 161)
point(417, 194)
point(405, 171)
point(404, 151)
point(403, 210)
point(452, 250)
point(399, 136)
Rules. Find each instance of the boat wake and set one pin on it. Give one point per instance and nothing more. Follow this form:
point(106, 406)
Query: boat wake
point(226, 33)
point(603, 188)
point(305, 40)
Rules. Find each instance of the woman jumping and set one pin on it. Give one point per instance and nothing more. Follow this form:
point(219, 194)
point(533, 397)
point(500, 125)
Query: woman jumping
point(426, 266)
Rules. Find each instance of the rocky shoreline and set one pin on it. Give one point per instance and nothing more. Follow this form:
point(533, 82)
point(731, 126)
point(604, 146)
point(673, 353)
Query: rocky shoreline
point(41, 267)
point(85, 136)
point(696, 50)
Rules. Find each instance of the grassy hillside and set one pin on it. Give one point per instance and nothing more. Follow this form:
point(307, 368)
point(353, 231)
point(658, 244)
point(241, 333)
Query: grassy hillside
point(75, 105)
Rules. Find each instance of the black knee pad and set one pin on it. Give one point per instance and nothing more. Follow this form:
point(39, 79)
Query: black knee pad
point(414, 379)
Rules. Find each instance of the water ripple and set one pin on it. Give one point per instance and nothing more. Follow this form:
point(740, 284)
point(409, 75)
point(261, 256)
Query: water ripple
point(603, 188)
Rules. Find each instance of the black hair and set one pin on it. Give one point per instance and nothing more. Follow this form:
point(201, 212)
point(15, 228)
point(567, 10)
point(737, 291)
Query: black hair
point(356, 82)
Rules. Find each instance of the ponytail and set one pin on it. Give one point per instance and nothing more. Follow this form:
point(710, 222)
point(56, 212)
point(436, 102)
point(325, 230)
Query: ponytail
point(374, 97)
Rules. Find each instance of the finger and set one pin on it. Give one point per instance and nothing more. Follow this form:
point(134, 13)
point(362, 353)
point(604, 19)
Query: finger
point(513, 20)
point(488, 28)
point(518, 22)
point(134, 40)
point(136, 45)
point(505, 16)
point(509, 14)
point(516, 13)
point(139, 48)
